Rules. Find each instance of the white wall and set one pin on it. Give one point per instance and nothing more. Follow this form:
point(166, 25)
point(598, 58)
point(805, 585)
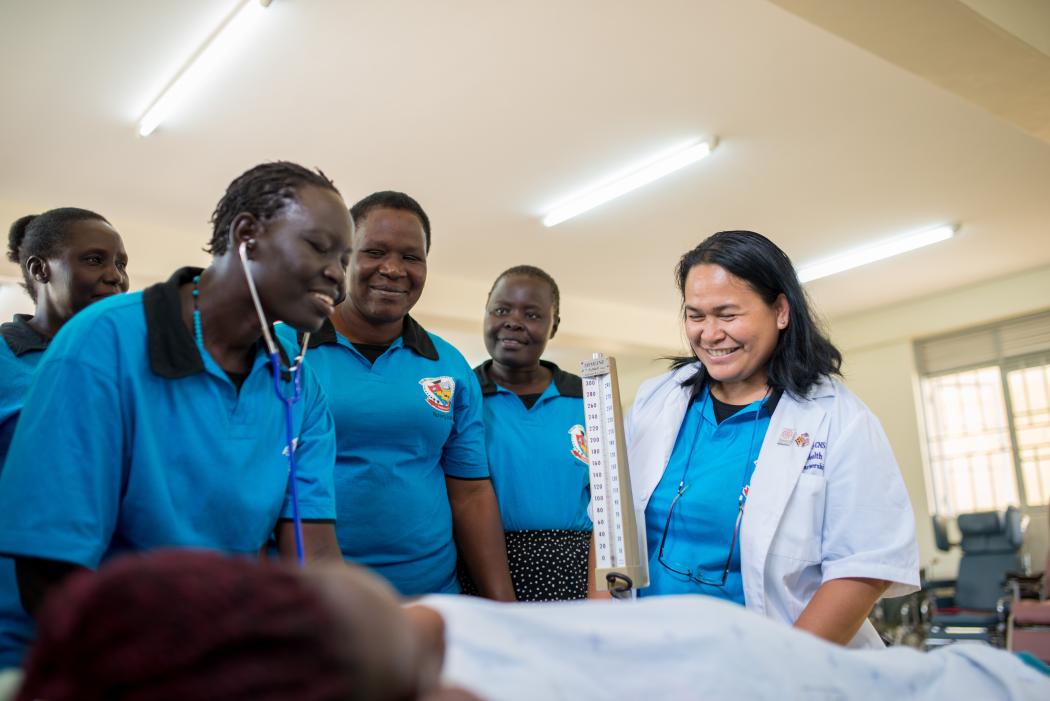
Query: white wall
point(453, 308)
point(13, 300)
point(880, 367)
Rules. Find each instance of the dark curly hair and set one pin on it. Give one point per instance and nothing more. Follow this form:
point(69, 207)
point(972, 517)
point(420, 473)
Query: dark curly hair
point(803, 353)
point(44, 236)
point(186, 624)
point(262, 191)
point(536, 274)
point(390, 199)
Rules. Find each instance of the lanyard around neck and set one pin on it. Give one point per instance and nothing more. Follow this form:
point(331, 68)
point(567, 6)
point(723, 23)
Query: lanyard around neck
point(682, 487)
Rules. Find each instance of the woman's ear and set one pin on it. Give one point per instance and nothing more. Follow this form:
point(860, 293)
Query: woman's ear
point(783, 311)
point(554, 328)
point(38, 269)
point(245, 228)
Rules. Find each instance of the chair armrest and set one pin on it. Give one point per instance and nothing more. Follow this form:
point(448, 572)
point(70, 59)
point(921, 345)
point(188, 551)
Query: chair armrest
point(1023, 586)
point(1002, 608)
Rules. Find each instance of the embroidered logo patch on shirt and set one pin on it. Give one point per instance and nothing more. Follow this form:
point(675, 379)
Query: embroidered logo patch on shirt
point(295, 446)
point(578, 436)
point(438, 392)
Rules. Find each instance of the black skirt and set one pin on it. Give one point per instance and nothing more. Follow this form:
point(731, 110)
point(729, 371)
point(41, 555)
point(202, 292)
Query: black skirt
point(544, 565)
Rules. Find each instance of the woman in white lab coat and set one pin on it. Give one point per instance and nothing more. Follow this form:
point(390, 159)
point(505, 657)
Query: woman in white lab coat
point(762, 479)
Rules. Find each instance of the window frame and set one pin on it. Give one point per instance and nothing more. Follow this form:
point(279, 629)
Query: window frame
point(1004, 366)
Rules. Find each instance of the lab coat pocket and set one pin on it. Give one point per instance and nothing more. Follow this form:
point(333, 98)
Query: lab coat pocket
point(798, 535)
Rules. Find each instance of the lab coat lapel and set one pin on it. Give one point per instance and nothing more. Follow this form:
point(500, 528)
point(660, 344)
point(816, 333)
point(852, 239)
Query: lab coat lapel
point(778, 468)
point(666, 418)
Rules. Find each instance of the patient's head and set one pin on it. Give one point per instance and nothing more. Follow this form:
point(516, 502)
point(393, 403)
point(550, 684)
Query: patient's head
point(196, 625)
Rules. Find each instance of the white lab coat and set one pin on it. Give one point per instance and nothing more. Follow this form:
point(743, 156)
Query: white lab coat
point(826, 500)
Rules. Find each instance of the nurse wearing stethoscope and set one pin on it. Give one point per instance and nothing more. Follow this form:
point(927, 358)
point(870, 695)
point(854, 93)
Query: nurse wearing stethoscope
point(158, 425)
point(763, 480)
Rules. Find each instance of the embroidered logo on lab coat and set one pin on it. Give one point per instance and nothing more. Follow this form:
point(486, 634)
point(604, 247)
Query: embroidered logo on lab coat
point(438, 392)
point(578, 437)
point(815, 461)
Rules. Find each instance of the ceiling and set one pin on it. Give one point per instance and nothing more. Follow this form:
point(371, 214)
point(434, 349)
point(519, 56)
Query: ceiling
point(488, 113)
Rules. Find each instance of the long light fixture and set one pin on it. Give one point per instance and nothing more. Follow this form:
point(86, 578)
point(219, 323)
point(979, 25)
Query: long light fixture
point(873, 252)
point(203, 62)
point(633, 178)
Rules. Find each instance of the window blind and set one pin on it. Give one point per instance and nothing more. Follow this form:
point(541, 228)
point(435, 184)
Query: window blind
point(984, 345)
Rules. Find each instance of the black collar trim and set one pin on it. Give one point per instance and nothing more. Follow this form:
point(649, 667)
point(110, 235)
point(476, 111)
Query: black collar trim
point(173, 351)
point(21, 337)
point(567, 384)
point(414, 336)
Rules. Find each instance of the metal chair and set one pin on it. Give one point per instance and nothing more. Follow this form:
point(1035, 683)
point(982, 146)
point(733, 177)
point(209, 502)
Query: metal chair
point(898, 621)
point(1028, 628)
point(973, 607)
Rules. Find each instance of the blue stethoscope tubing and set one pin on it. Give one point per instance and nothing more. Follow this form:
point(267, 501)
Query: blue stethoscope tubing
point(288, 400)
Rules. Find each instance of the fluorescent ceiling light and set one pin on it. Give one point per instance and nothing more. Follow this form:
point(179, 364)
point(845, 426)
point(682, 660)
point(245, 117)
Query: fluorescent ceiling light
point(871, 253)
point(631, 179)
point(203, 62)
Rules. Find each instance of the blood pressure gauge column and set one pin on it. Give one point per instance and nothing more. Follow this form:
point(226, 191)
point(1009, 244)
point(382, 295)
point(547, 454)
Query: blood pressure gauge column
point(621, 566)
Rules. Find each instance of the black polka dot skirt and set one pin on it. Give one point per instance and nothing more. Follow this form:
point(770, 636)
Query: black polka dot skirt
point(544, 565)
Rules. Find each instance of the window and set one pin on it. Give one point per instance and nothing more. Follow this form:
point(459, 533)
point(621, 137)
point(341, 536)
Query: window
point(1029, 388)
point(986, 408)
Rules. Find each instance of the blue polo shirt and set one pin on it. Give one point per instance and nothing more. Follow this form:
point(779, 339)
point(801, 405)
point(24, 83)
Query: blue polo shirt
point(717, 461)
point(20, 351)
point(133, 438)
point(402, 423)
point(538, 455)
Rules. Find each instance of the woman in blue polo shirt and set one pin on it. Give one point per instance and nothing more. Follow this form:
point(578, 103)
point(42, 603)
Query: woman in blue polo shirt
point(159, 412)
point(534, 432)
point(69, 258)
point(411, 477)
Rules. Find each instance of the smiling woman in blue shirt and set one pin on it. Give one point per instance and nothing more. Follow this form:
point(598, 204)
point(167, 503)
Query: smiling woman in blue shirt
point(154, 422)
point(69, 258)
point(763, 479)
point(412, 484)
point(534, 433)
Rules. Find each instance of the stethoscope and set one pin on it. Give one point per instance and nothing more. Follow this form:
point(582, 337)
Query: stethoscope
point(288, 400)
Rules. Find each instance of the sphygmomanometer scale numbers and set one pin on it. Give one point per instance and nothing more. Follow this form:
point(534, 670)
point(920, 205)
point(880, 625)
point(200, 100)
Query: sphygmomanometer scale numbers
point(620, 567)
point(602, 452)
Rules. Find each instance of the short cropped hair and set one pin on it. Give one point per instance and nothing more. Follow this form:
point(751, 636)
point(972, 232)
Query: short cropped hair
point(536, 274)
point(391, 199)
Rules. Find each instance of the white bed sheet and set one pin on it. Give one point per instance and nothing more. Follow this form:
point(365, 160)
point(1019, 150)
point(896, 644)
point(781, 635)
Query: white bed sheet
point(694, 647)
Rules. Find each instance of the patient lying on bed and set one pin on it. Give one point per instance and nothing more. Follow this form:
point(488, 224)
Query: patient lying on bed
point(690, 647)
point(191, 625)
